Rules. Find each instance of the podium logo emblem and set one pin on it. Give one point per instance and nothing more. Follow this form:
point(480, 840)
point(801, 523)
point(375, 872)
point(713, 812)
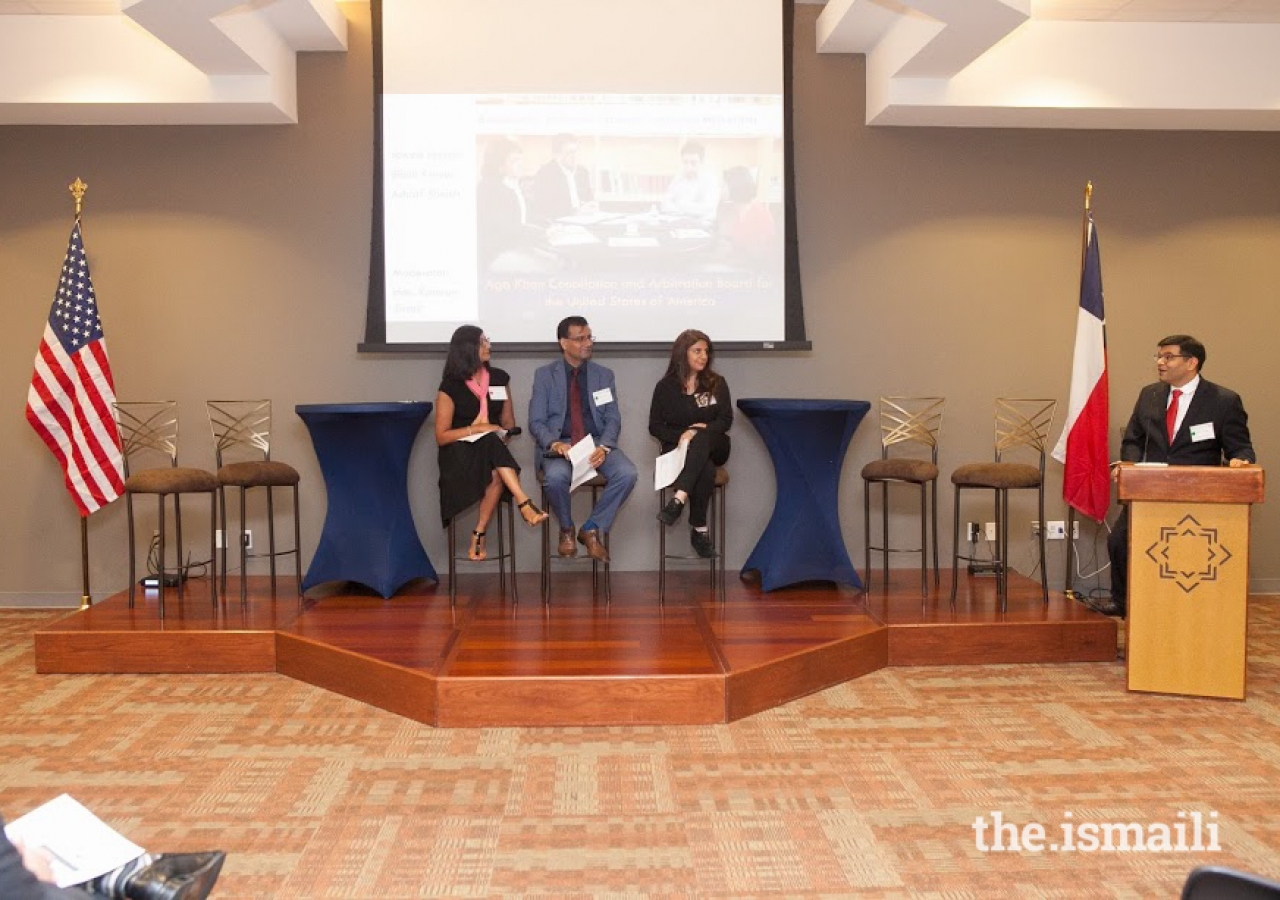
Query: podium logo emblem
point(1188, 553)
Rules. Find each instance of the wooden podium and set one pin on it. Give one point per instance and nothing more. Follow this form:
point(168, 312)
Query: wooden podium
point(1189, 577)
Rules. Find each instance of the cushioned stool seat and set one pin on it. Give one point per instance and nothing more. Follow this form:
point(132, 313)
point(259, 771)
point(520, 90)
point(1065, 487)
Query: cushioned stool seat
point(263, 473)
point(1005, 476)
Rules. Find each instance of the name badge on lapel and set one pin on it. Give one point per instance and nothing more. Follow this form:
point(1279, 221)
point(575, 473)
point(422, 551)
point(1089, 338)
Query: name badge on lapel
point(1202, 432)
point(497, 392)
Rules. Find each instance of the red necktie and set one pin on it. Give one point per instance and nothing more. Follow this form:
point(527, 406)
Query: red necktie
point(576, 431)
point(1171, 416)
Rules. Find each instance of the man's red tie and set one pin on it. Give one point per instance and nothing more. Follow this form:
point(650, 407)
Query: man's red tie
point(576, 431)
point(1171, 416)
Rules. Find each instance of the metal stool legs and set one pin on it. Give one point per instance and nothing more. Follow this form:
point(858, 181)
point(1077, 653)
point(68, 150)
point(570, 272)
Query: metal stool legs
point(716, 526)
point(927, 514)
point(505, 518)
point(548, 555)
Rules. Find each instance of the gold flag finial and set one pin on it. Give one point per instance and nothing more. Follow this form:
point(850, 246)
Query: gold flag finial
point(1088, 194)
point(77, 189)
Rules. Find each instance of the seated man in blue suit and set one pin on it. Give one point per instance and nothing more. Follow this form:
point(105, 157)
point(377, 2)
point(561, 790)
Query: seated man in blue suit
point(574, 397)
point(1182, 420)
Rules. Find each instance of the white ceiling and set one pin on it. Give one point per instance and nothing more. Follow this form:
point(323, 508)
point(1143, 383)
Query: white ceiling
point(1185, 64)
point(1155, 64)
point(137, 62)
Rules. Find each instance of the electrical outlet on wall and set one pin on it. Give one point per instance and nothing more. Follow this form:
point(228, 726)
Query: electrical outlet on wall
point(991, 531)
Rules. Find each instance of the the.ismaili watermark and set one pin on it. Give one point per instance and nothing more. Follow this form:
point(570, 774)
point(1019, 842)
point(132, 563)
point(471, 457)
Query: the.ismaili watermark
point(1191, 832)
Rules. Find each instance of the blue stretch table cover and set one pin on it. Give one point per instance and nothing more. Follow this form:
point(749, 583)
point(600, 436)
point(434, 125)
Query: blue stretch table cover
point(807, 440)
point(369, 536)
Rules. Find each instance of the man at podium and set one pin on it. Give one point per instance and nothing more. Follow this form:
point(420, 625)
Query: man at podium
point(1181, 420)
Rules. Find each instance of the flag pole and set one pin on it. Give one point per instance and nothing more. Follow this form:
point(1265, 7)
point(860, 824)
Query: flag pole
point(77, 189)
point(1071, 510)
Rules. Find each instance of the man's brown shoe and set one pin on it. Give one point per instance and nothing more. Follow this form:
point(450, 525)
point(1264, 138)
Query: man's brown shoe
point(567, 547)
point(591, 540)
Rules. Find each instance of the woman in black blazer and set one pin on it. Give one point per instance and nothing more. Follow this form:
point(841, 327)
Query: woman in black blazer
point(691, 406)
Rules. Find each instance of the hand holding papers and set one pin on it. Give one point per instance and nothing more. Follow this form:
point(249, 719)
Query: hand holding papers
point(80, 845)
point(472, 438)
point(579, 457)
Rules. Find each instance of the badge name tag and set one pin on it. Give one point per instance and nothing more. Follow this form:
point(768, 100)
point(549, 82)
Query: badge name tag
point(1202, 432)
point(602, 397)
point(497, 392)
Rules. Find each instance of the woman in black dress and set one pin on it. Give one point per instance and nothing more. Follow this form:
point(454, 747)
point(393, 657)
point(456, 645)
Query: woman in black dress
point(691, 406)
point(473, 413)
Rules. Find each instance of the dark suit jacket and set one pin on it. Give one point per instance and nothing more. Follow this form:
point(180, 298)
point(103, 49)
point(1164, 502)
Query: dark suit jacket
point(498, 223)
point(1145, 439)
point(550, 191)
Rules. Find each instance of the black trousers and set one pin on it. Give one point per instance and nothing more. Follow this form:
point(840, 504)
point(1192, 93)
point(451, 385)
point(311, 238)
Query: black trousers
point(698, 477)
point(1118, 550)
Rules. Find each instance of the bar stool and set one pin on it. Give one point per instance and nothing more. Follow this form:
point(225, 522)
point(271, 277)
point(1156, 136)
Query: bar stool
point(905, 421)
point(505, 518)
point(242, 446)
point(596, 485)
point(1020, 424)
point(151, 427)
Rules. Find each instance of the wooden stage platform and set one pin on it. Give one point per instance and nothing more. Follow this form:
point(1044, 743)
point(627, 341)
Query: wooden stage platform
point(578, 661)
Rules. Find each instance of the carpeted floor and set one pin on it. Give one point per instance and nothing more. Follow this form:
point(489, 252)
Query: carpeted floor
point(871, 788)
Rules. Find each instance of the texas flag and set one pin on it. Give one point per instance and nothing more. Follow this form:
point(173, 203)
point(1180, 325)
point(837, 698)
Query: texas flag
point(1082, 449)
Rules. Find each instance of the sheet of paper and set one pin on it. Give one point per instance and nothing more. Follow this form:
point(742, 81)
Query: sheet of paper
point(472, 438)
point(80, 845)
point(587, 218)
point(667, 466)
point(636, 241)
point(570, 236)
point(579, 458)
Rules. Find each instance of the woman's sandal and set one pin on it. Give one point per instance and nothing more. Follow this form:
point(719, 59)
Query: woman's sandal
point(477, 552)
point(530, 513)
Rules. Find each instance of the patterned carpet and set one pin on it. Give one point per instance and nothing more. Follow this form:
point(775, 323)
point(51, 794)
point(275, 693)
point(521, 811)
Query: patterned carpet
point(870, 789)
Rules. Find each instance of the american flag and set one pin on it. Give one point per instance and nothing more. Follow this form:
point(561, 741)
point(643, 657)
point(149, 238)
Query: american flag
point(69, 401)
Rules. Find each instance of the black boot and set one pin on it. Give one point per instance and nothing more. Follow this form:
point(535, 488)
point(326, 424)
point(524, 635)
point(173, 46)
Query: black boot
point(176, 876)
point(702, 545)
point(671, 512)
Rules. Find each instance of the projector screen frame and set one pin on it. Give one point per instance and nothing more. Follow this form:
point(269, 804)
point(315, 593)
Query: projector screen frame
point(375, 339)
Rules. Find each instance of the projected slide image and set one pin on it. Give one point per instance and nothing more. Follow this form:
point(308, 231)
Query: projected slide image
point(594, 216)
point(545, 157)
point(607, 222)
point(632, 209)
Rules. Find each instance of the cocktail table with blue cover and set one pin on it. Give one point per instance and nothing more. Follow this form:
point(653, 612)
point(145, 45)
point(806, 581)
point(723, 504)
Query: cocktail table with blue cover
point(807, 440)
point(369, 536)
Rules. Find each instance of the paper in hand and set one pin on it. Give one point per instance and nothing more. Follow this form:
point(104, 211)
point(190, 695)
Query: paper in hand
point(580, 459)
point(80, 845)
point(666, 469)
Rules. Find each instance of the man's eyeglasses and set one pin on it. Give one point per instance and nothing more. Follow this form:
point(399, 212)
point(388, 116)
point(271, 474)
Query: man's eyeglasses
point(581, 339)
point(1166, 357)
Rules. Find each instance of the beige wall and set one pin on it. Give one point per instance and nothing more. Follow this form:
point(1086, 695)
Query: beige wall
point(232, 261)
